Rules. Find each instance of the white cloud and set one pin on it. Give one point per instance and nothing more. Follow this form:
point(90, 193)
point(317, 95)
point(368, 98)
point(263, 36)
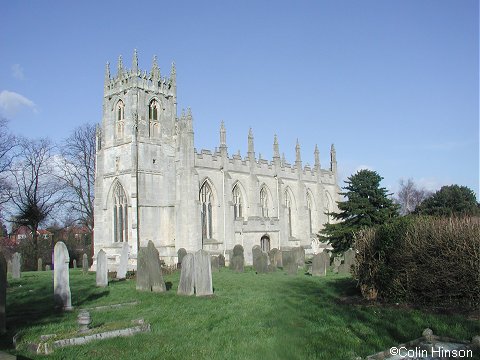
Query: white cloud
point(17, 72)
point(12, 102)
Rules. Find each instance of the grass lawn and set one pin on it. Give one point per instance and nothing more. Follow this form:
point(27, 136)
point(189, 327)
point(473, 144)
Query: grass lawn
point(268, 316)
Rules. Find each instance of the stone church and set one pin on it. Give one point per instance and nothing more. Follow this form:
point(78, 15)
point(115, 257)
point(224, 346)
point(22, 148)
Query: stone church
point(152, 184)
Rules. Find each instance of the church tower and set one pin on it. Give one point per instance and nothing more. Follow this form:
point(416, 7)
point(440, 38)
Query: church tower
point(135, 184)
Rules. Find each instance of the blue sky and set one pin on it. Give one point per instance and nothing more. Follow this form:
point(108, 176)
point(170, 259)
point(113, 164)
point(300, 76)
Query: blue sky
point(394, 84)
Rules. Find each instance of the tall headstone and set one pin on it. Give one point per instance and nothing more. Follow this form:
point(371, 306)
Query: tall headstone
point(102, 270)
point(39, 264)
point(337, 261)
point(186, 285)
point(61, 278)
point(289, 261)
point(320, 263)
point(74, 263)
point(215, 264)
point(16, 265)
point(275, 257)
point(143, 283)
point(299, 255)
point(221, 260)
point(260, 260)
point(9, 267)
point(237, 261)
point(203, 273)
point(3, 294)
point(85, 263)
point(180, 254)
point(349, 260)
point(122, 267)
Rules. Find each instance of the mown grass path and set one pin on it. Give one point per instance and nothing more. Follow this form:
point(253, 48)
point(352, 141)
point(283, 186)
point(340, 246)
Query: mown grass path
point(268, 316)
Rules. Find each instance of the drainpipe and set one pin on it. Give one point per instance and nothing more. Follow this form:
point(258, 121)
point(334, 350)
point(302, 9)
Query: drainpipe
point(224, 212)
point(278, 210)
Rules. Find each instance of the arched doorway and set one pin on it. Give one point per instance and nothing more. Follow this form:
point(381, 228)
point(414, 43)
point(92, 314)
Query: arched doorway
point(265, 243)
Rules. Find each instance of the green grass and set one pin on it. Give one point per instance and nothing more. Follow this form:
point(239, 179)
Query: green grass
point(269, 316)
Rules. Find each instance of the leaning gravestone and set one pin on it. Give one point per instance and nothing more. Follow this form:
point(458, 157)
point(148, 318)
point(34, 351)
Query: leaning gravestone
point(16, 265)
point(143, 283)
point(39, 264)
point(154, 269)
point(320, 263)
point(85, 263)
point(186, 285)
point(74, 263)
point(102, 270)
point(61, 279)
point(237, 261)
point(203, 273)
point(122, 267)
point(260, 260)
point(3, 294)
point(180, 254)
point(289, 261)
point(221, 260)
point(215, 264)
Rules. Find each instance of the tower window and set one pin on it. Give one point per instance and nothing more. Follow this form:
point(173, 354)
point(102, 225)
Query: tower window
point(288, 206)
point(120, 119)
point(237, 202)
point(206, 199)
point(120, 215)
point(264, 201)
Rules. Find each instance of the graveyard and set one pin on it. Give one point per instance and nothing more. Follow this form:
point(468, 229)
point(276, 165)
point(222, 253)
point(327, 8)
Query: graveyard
point(251, 315)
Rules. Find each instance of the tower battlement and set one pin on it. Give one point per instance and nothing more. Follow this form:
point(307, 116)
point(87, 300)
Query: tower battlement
point(135, 77)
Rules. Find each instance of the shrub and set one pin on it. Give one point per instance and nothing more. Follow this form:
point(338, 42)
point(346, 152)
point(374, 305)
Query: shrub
point(421, 260)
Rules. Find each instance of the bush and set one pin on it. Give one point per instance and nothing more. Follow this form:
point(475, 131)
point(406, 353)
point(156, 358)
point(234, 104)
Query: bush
point(421, 260)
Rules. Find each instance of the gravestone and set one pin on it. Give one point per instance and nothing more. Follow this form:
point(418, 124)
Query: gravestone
point(275, 257)
point(299, 253)
point(203, 273)
point(122, 267)
point(85, 263)
point(47, 268)
point(143, 283)
point(39, 264)
point(215, 264)
point(337, 261)
point(289, 261)
point(320, 263)
point(260, 260)
point(9, 267)
point(16, 265)
point(221, 260)
point(3, 294)
point(180, 254)
point(186, 286)
point(237, 261)
point(102, 270)
point(349, 260)
point(61, 278)
point(154, 269)
point(74, 263)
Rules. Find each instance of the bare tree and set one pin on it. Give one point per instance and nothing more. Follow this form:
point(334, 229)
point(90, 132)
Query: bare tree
point(35, 191)
point(409, 196)
point(78, 173)
point(7, 143)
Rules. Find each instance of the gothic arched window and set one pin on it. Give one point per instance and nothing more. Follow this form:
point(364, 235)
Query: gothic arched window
point(119, 119)
point(288, 206)
point(309, 209)
point(206, 200)
point(237, 202)
point(264, 201)
point(153, 115)
point(120, 214)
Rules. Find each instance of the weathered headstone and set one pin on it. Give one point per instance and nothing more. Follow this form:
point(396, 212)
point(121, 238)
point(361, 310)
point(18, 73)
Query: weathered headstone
point(180, 254)
point(275, 257)
point(237, 260)
point(61, 278)
point(102, 270)
point(74, 263)
point(215, 264)
point(47, 268)
point(39, 264)
point(85, 263)
point(143, 282)
point(260, 260)
point(16, 265)
point(349, 260)
point(9, 267)
point(154, 269)
point(122, 267)
point(186, 286)
point(3, 294)
point(221, 260)
point(289, 261)
point(299, 253)
point(337, 261)
point(320, 263)
point(203, 273)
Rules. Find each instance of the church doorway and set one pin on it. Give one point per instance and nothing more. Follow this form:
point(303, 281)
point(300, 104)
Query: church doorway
point(265, 243)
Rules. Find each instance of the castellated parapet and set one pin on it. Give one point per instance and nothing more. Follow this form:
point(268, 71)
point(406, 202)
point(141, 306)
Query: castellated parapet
point(152, 184)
